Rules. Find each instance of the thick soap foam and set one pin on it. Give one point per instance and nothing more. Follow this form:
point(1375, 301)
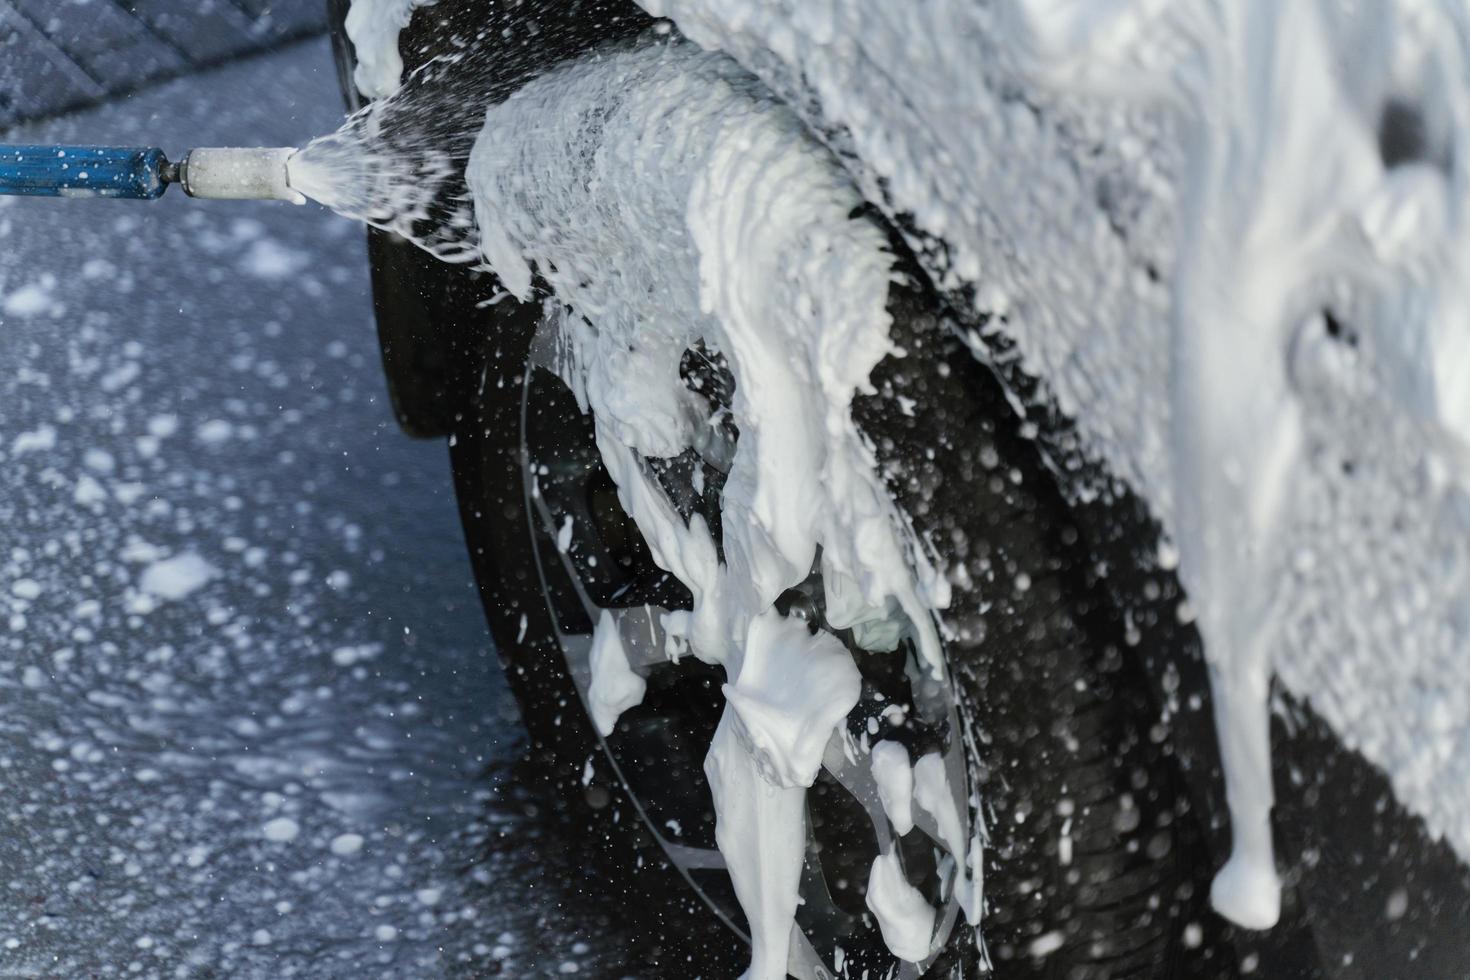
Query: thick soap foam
point(1161, 203)
point(669, 199)
point(904, 918)
point(373, 27)
point(793, 689)
point(615, 686)
point(895, 778)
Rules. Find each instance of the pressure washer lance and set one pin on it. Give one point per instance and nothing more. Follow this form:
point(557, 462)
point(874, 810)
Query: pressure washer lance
point(144, 173)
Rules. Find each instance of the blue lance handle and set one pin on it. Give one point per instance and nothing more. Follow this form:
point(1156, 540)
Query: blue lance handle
point(83, 171)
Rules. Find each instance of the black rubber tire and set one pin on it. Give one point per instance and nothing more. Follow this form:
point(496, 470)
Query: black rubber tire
point(1071, 746)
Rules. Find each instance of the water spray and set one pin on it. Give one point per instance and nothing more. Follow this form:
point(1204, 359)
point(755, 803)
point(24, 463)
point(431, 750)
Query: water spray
point(144, 173)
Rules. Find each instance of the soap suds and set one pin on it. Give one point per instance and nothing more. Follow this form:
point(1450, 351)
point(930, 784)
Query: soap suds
point(895, 778)
point(761, 830)
point(281, 830)
point(904, 918)
point(269, 259)
point(32, 299)
point(373, 27)
point(1184, 217)
point(40, 439)
point(793, 689)
point(615, 686)
point(177, 577)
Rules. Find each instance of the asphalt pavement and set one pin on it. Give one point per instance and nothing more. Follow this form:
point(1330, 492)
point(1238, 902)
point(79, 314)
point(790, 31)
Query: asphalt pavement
point(250, 721)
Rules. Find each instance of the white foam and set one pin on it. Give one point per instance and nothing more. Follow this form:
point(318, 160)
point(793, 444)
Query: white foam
point(269, 259)
point(792, 690)
point(25, 588)
point(615, 686)
point(37, 440)
point(373, 27)
point(895, 778)
point(761, 831)
point(280, 830)
point(904, 918)
point(32, 299)
point(933, 795)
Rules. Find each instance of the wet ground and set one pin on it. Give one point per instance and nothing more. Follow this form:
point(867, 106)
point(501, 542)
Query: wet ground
point(250, 722)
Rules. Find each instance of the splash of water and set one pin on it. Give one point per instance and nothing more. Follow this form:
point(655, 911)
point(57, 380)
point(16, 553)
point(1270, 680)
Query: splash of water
point(398, 163)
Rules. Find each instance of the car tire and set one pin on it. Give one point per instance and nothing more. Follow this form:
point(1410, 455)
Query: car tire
point(1093, 867)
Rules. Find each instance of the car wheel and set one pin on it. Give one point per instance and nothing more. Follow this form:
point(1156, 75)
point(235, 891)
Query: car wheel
point(1043, 729)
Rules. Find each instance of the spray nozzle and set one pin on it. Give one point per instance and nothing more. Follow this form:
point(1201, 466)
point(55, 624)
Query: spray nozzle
point(237, 173)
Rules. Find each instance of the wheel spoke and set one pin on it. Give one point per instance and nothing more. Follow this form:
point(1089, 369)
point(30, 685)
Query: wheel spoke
point(857, 779)
point(802, 962)
point(548, 524)
point(642, 632)
point(692, 858)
